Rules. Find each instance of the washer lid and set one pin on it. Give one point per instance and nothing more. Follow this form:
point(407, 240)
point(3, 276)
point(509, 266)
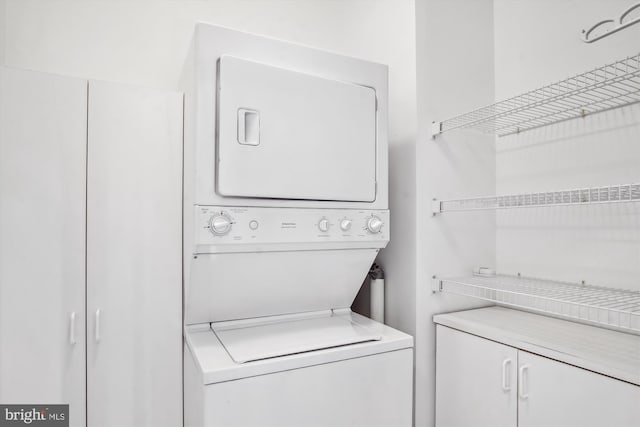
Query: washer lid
point(247, 341)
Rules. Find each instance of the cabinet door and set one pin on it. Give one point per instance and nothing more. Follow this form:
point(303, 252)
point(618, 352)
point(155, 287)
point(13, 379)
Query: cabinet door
point(475, 381)
point(134, 265)
point(42, 240)
point(556, 394)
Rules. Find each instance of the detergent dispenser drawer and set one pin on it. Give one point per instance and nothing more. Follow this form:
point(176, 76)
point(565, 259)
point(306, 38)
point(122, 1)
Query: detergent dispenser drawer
point(289, 135)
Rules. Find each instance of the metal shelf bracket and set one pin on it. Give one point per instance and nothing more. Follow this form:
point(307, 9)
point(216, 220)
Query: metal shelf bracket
point(436, 129)
point(436, 285)
point(436, 207)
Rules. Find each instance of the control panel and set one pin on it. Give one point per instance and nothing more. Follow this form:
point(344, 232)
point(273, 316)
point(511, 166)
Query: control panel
point(216, 225)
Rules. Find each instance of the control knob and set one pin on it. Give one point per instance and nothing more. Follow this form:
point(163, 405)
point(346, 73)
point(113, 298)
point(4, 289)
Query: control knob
point(323, 225)
point(374, 224)
point(220, 224)
point(345, 224)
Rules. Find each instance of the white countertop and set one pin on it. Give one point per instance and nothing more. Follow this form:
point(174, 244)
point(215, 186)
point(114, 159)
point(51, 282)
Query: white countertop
point(612, 353)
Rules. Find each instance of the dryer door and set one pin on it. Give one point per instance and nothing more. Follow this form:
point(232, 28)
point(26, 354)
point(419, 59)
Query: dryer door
point(289, 135)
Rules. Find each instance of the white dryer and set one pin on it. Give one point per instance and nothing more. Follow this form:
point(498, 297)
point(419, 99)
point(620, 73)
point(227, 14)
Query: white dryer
point(285, 210)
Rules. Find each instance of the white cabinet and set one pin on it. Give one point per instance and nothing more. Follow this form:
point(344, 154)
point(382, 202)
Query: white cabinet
point(472, 370)
point(134, 257)
point(555, 394)
point(42, 240)
point(476, 386)
point(91, 175)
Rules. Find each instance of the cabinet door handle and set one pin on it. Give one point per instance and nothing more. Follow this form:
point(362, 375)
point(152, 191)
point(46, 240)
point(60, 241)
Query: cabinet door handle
point(506, 378)
point(522, 382)
point(97, 325)
point(72, 328)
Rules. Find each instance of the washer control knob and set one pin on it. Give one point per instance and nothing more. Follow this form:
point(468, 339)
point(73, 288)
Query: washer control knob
point(220, 224)
point(345, 224)
point(374, 224)
point(323, 225)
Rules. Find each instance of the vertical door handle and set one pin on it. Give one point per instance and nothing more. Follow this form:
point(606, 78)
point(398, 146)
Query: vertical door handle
point(72, 328)
point(506, 377)
point(523, 382)
point(97, 325)
point(248, 127)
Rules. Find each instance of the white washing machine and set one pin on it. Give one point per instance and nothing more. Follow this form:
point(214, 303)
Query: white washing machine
point(285, 210)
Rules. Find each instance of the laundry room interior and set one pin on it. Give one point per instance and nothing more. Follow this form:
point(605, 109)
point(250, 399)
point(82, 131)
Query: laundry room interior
point(320, 213)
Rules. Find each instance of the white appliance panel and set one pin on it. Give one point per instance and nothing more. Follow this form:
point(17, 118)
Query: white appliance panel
point(215, 364)
point(199, 80)
point(229, 286)
point(275, 228)
point(265, 339)
point(289, 135)
point(363, 384)
point(372, 391)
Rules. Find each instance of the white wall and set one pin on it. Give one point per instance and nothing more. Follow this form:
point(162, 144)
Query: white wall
point(537, 43)
point(455, 73)
point(3, 27)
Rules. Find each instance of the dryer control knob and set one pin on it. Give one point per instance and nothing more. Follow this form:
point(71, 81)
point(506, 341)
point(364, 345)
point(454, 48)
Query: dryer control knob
point(323, 225)
point(374, 224)
point(345, 224)
point(220, 224)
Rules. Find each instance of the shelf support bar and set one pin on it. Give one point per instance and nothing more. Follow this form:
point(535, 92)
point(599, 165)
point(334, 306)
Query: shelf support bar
point(436, 207)
point(436, 129)
point(436, 285)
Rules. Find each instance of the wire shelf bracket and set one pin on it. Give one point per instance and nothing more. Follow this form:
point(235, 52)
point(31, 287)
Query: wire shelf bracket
point(605, 88)
point(624, 193)
point(603, 306)
point(436, 285)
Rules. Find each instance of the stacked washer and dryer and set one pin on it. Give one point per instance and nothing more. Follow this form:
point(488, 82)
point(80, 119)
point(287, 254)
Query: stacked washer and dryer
point(286, 208)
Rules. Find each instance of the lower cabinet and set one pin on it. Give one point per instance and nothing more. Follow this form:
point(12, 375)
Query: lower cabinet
point(556, 394)
point(476, 381)
point(484, 383)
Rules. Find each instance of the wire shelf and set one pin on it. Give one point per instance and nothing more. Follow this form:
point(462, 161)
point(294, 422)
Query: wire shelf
point(604, 306)
point(605, 88)
point(622, 193)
